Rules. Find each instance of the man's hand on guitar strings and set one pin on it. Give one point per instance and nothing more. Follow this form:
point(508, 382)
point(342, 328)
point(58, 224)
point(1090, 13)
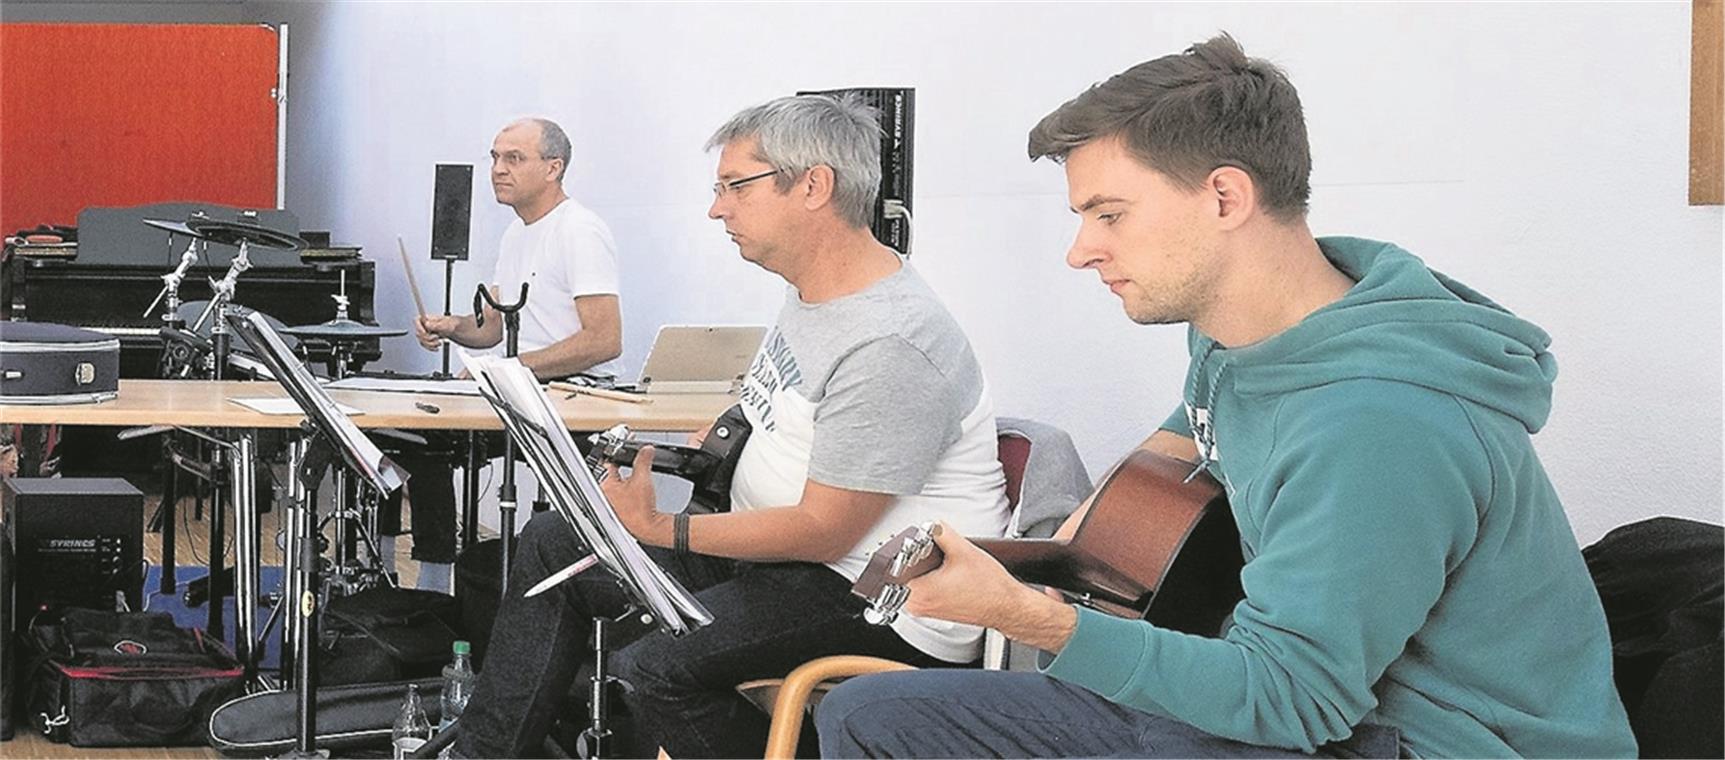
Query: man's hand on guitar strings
point(632, 497)
point(972, 587)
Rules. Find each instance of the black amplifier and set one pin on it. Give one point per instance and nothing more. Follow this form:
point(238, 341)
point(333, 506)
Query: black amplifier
point(897, 111)
point(76, 542)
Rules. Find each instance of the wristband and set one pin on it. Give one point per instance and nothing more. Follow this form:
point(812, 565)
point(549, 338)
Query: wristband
point(680, 533)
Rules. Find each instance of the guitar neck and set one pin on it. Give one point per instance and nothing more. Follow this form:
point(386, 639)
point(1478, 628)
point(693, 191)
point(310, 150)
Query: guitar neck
point(1064, 566)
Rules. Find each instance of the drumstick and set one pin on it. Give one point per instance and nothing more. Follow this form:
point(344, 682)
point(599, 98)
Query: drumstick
point(573, 389)
point(412, 284)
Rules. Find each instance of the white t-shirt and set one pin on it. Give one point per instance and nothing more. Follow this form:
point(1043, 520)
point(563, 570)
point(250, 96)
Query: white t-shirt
point(567, 253)
point(879, 392)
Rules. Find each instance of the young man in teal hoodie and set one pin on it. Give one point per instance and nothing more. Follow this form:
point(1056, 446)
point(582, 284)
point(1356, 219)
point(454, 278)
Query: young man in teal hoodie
point(1412, 585)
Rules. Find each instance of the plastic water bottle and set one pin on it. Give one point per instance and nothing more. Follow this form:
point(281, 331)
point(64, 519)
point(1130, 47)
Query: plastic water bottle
point(412, 727)
point(458, 682)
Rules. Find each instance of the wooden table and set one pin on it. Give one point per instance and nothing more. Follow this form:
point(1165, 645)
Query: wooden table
point(208, 404)
point(205, 403)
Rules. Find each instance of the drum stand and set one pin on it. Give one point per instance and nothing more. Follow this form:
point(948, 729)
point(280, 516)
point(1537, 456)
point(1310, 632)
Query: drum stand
point(218, 459)
point(355, 512)
point(506, 492)
point(178, 359)
point(355, 518)
point(211, 459)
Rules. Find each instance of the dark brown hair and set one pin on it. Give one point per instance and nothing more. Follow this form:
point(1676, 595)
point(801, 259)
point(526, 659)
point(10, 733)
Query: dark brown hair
point(1186, 114)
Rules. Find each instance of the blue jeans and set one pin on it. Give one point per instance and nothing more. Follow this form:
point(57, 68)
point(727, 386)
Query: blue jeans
point(958, 713)
point(680, 691)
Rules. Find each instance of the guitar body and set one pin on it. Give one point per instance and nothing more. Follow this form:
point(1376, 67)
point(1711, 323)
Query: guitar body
point(1153, 545)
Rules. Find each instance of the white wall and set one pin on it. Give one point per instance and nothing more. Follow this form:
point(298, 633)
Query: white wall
point(1536, 151)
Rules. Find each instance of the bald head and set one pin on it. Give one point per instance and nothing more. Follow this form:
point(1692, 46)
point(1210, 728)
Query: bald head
point(549, 139)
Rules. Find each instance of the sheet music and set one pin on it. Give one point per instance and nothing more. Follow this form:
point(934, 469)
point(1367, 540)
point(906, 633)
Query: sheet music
point(450, 387)
point(545, 443)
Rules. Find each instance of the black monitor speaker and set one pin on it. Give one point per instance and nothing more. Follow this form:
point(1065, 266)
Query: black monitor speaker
point(8, 642)
point(76, 542)
point(897, 109)
point(452, 211)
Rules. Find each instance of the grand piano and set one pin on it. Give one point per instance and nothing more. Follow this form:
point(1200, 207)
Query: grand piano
point(107, 279)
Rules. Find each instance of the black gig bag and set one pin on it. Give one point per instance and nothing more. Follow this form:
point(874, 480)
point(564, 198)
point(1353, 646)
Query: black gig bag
point(386, 634)
point(45, 363)
point(349, 718)
point(125, 679)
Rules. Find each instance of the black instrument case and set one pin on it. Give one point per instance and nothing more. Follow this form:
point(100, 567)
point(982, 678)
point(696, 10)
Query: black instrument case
point(44, 363)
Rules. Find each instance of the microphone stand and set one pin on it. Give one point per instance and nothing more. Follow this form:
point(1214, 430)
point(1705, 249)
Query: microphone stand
point(506, 492)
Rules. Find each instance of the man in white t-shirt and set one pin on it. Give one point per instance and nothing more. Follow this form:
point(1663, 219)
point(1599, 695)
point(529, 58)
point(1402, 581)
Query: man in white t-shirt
point(570, 326)
point(869, 414)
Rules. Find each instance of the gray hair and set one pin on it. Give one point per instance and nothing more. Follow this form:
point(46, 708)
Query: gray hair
point(553, 142)
point(1186, 114)
point(800, 132)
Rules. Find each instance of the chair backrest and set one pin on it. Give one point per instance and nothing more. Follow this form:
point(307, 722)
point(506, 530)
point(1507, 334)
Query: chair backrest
point(1014, 456)
point(1045, 477)
point(1659, 583)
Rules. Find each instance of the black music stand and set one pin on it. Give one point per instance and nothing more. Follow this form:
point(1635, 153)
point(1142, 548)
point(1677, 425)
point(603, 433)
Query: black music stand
point(331, 440)
point(573, 491)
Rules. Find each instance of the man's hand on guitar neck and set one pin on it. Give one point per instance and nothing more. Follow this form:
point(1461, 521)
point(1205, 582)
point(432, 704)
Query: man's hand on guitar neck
point(1165, 442)
point(972, 587)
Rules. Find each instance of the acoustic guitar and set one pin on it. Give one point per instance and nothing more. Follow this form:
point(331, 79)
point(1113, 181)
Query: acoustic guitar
point(1154, 545)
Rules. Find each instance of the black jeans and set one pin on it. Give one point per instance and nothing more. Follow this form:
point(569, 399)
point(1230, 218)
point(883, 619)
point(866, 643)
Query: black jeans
point(433, 494)
point(431, 487)
point(768, 619)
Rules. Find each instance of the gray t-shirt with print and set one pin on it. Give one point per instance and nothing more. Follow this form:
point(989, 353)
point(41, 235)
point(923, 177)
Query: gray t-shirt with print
point(891, 376)
point(877, 391)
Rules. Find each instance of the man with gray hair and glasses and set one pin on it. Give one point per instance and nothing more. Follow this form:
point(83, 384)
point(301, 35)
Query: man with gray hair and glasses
point(869, 414)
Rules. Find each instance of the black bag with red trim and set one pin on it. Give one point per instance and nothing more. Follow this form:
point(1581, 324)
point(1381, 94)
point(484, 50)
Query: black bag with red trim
point(120, 679)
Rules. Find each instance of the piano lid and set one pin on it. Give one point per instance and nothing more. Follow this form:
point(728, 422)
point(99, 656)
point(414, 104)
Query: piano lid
point(119, 236)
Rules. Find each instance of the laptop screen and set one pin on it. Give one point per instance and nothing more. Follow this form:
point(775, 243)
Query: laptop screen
point(700, 354)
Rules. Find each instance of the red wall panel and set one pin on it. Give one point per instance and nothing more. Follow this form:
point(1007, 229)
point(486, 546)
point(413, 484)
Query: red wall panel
point(128, 114)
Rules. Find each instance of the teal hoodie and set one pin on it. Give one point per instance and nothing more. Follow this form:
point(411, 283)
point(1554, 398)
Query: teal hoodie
point(1407, 561)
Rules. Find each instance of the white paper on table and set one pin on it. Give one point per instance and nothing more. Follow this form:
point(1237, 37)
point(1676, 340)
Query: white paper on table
point(284, 406)
point(406, 385)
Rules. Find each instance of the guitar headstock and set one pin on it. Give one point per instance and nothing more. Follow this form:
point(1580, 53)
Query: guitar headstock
point(611, 446)
point(910, 553)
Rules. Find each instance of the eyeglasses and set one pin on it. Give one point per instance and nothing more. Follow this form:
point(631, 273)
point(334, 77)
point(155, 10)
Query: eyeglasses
point(513, 158)
point(722, 187)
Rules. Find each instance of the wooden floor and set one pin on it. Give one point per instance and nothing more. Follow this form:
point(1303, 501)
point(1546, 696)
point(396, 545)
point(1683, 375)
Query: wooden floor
point(191, 548)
